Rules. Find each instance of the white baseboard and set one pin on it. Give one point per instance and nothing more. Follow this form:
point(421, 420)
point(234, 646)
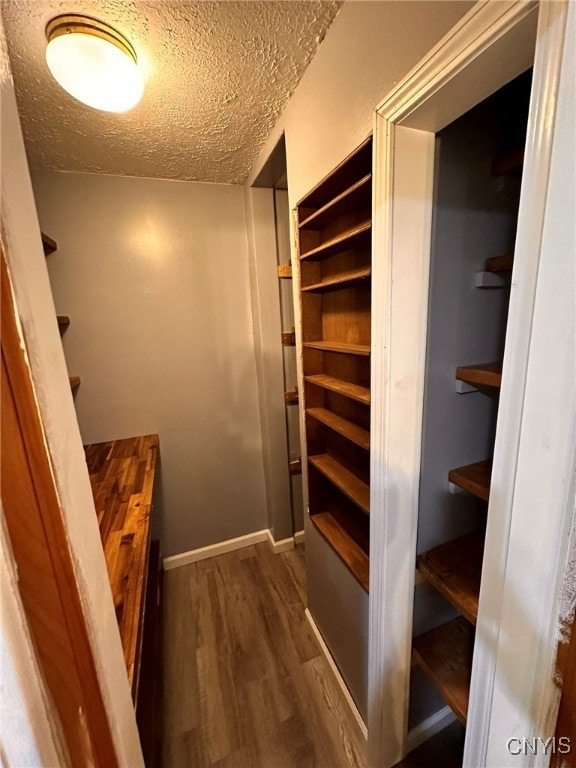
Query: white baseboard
point(175, 561)
point(336, 672)
point(280, 546)
point(299, 537)
point(429, 727)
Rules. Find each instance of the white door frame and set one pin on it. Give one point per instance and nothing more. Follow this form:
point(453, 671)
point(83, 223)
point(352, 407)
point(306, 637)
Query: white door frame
point(491, 45)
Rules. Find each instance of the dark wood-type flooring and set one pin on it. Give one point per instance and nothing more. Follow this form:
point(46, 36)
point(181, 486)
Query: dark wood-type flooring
point(245, 681)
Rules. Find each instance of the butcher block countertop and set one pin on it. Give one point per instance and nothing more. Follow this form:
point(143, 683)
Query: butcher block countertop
point(122, 475)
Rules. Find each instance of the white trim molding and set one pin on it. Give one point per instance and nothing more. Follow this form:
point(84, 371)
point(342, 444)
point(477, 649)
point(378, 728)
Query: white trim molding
point(429, 727)
point(203, 553)
point(336, 672)
point(490, 46)
point(299, 537)
point(280, 546)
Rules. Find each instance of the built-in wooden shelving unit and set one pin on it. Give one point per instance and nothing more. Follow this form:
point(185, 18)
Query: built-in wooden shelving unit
point(445, 655)
point(474, 478)
point(455, 569)
point(334, 238)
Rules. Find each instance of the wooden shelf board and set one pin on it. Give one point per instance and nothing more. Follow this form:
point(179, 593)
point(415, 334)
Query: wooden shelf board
point(63, 322)
point(74, 383)
point(343, 242)
point(474, 478)
point(319, 217)
point(340, 281)
point(348, 429)
point(508, 163)
point(339, 346)
point(347, 482)
point(499, 264)
point(352, 555)
point(291, 397)
point(48, 244)
point(353, 391)
point(445, 655)
point(481, 375)
point(455, 569)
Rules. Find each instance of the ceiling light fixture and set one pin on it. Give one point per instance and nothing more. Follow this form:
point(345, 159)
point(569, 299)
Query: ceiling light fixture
point(94, 63)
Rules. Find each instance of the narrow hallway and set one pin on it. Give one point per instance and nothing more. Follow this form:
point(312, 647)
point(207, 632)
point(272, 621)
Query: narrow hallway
point(245, 683)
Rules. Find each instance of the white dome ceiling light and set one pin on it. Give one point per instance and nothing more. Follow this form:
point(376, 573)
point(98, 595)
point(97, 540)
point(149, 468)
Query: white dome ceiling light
point(94, 63)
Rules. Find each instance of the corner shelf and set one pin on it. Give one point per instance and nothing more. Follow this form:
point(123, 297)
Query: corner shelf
point(342, 542)
point(445, 656)
point(351, 486)
point(474, 478)
point(338, 346)
point(339, 281)
point(481, 375)
point(353, 391)
point(455, 570)
point(347, 429)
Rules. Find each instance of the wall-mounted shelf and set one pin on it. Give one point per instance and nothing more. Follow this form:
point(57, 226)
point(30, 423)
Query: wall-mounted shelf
point(288, 339)
point(74, 383)
point(445, 655)
point(291, 397)
point(500, 264)
point(48, 244)
point(285, 271)
point(63, 323)
point(340, 347)
point(338, 281)
point(347, 482)
point(474, 478)
point(347, 547)
point(354, 391)
point(455, 570)
point(481, 376)
point(347, 429)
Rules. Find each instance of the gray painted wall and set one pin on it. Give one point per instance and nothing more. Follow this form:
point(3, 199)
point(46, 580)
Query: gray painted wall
point(154, 276)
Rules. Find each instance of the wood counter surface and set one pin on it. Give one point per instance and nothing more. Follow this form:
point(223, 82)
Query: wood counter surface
point(122, 475)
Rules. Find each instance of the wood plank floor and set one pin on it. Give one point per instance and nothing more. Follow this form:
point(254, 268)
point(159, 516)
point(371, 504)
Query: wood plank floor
point(245, 683)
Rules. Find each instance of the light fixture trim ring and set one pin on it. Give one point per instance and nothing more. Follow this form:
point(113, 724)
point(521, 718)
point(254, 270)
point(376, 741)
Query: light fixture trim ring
point(76, 23)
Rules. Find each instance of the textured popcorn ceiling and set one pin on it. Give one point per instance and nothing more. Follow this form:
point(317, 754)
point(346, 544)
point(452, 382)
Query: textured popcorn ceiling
point(217, 75)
